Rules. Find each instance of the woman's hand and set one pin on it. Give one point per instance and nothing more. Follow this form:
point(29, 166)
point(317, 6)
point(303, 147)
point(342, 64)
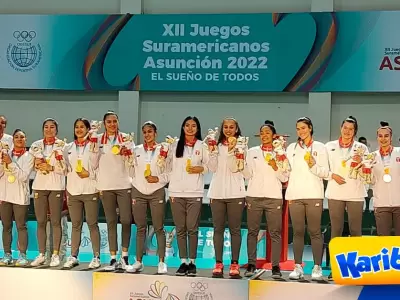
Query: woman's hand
point(272, 163)
point(44, 167)
point(311, 162)
point(196, 170)
point(152, 179)
point(84, 174)
point(339, 179)
point(6, 158)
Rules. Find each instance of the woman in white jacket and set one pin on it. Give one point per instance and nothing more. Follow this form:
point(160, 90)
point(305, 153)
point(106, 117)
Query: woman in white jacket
point(386, 173)
point(114, 185)
point(227, 198)
point(16, 166)
point(148, 190)
point(187, 162)
point(82, 194)
point(264, 196)
point(305, 193)
point(345, 192)
point(48, 189)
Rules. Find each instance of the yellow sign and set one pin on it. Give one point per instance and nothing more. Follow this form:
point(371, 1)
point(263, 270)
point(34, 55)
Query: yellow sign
point(365, 260)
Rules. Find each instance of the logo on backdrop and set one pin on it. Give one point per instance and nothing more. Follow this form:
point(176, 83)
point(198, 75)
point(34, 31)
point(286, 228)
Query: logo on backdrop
point(103, 238)
point(199, 291)
point(24, 55)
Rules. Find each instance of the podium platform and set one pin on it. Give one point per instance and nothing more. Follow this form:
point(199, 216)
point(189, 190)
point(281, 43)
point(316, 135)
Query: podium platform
point(50, 284)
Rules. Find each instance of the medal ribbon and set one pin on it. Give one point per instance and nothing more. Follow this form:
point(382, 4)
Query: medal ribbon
point(384, 154)
point(342, 146)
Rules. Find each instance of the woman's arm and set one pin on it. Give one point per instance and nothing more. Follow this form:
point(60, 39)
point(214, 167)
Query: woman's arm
point(23, 171)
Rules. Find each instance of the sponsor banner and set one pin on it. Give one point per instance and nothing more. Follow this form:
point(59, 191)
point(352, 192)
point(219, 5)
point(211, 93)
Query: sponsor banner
point(139, 287)
point(266, 290)
point(365, 260)
point(292, 52)
point(22, 283)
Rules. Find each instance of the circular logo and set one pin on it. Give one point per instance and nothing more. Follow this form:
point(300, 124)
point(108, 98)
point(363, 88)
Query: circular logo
point(24, 55)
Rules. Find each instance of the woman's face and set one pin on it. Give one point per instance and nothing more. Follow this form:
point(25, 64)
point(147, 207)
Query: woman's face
point(49, 129)
point(303, 130)
point(80, 129)
point(229, 128)
point(266, 135)
point(347, 131)
point(190, 128)
point(19, 140)
point(384, 137)
point(111, 124)
point(149, 134)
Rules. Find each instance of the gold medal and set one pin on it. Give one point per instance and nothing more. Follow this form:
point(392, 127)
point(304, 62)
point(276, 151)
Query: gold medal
point(48, 160)
point(79, 167)
point(11, 178)
point(115, 149)
point(387, 177)
point(268, 157)
point(147, 172)
point(188, 164)
point(344, 163)
point(307, 156)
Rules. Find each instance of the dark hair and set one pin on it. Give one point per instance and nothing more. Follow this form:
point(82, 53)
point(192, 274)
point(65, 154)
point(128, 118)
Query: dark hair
point(385, 125)
point(353, 121)
point(50, 120)
point(84, 121)
point(18, 130)
point(181, 142)
point(4, 117)
point(306, 120)
point(221, 133)
point(270, 125)
point(361, 138)
point(151, 124)
point(109, 113)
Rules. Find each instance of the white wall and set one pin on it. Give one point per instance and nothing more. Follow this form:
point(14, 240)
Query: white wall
point(168, 110)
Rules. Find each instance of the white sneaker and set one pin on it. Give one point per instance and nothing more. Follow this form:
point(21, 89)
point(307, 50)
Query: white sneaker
point(112, 267)
point(71, 262)
point(298, 272)
point(39, 260)
point(55, 260)
point(122, 264)
point(136, 267)
point(162, 268)
point(95, 263)
point(316, 274)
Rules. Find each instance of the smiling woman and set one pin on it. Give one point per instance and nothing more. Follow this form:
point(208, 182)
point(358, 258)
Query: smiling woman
point(82, 193)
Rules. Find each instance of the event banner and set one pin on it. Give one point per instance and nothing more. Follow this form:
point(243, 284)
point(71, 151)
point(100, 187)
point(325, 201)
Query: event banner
point(121, 286)
point(294, 52)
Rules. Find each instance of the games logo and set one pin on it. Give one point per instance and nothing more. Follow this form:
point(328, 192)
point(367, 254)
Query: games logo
point(24, 55)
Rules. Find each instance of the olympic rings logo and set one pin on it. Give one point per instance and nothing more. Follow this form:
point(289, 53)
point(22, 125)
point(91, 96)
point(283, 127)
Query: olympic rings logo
point(24, 36)
point(199, 286)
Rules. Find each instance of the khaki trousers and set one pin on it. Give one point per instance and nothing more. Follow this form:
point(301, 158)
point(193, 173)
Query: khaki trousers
point(20, 213)
point(231, 209)
point(140, 203)
point(186, 216)
point(300, 211)
point(43, 201)
point(387, 218)
point(76, 205)
point(272, 208)
point(336, 215)
point(64, 239)
point(111, 200)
